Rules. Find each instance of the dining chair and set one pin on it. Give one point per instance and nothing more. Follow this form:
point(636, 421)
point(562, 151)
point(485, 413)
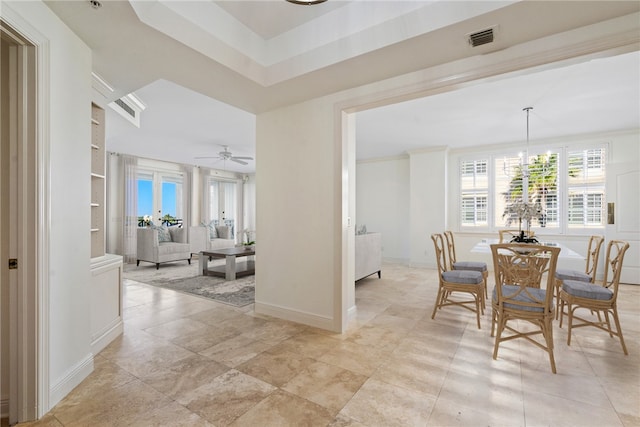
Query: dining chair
point(507, 235)
point(520, 270)
point(451, 282)
point(600, 298)
point(454, 264)
point(589, 275)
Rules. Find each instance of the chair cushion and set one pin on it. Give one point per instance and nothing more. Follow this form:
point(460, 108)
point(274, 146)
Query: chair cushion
point(467, 277)
point(163, 233)
point(510, 289)
point(572, 275)
point(470, 265)
point(586, 290)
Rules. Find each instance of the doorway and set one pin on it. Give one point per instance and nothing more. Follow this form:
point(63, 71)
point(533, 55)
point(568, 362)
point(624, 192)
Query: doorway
point(19, 373)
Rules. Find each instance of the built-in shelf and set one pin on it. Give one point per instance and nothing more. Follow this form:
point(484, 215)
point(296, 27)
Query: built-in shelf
point(98, 189)
point(105, 287)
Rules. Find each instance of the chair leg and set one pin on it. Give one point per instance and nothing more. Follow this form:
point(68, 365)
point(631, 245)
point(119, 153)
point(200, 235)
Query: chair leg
point(617, 322)
point(570, 322)
point(547, 331)
point(501, 325)
point(157, 265)
point(438, 302)
point(189, 261)
point(478, 298)
point(137, 263)
point(493, 321)
point(557, 287)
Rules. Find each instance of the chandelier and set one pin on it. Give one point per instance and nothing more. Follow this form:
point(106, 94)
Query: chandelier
point(524, 209)
point(307, 3)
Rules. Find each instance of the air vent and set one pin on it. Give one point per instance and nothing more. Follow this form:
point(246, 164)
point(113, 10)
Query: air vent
point(481, 37)
point(129, 107)
point(125, 107)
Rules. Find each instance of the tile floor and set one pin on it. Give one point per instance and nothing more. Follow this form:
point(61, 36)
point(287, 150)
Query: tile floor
point(187, 361)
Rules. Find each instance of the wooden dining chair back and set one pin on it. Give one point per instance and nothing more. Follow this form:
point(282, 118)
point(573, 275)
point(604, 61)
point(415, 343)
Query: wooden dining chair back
point(452, 283)
point(507, 236)
point(454, 264)
point(590, 271)
point(520, 271)
point(600, 299)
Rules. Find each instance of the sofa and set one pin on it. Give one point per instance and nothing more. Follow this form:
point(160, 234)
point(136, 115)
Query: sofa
point(209, 237)
point(158, 244)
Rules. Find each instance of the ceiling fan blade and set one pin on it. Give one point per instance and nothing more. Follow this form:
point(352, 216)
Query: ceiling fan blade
point(235, 159)
point(208, 157)
point(243, 158)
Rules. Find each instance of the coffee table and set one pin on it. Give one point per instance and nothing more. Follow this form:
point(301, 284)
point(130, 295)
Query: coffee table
point(232, 269)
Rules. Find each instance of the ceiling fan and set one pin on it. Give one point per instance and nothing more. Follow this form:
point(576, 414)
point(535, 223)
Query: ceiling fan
point(227, 155)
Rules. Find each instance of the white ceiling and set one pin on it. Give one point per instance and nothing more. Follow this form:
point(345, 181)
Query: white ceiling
point(258, 55)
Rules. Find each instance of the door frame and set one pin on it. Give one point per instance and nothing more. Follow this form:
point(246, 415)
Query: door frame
point(623, 179)
point(29, 311)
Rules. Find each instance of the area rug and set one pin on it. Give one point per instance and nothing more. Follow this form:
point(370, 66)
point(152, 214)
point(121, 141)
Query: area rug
point(238, 293)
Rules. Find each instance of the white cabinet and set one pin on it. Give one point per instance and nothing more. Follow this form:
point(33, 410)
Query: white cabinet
point(368, 252)
point(106, 300)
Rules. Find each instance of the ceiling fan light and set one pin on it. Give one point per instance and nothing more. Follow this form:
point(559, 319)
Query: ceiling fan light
point(306, 3)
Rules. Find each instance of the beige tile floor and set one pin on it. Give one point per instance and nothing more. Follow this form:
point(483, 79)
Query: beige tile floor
point(187, 361)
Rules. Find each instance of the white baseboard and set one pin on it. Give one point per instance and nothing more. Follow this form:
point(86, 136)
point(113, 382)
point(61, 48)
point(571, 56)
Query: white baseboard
point(401, 261)
point(352, 313)
point(70, 380)
point(284, 313)
point(105, 337)
point(420, 264)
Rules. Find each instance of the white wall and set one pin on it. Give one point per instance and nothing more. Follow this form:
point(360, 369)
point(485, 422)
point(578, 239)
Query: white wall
point(69, 135)
point(296, 187)
point(382, 200)
point(427, 203)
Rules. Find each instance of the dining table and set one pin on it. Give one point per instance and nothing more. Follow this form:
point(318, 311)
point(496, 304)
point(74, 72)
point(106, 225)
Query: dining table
point(484, 247)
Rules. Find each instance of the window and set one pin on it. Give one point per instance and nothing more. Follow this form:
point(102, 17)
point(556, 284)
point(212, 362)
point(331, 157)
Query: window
point(542, 191)
point(223, 203)
point(474, 198)
point(160, 197)
point(585, 187)
point(567, 186)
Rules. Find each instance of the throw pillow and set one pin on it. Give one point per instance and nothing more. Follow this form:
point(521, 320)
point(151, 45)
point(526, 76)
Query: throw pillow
point(213, 233)
point(224, 232)
point(163, 233)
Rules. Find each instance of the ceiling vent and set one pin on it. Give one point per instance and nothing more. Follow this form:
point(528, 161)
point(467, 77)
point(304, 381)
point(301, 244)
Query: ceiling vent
point(481, 37)
point(129, 107)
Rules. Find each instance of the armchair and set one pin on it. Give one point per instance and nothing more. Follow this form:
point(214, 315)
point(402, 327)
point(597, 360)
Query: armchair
point(162, 244)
